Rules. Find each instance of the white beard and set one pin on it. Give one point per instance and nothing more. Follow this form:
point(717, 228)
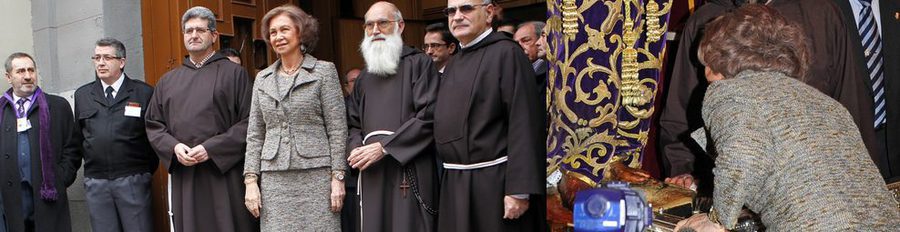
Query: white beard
point(382, 57)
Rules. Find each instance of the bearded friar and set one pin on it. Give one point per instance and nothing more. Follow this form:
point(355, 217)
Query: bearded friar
point(390, 123)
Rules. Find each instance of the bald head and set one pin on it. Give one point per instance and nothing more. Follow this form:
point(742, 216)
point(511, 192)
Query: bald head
point(383, 18)
point(384, 10)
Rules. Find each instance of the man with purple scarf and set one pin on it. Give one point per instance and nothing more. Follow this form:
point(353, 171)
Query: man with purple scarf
point(37, 162)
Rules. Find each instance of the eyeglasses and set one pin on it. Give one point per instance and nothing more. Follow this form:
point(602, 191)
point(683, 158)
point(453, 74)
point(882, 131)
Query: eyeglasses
point(106, 58)
point(433, 46)
point(382, 25)
point(465, 9)
point(200, 30)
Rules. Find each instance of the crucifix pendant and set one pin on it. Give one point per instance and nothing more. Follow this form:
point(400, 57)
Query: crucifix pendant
point(404, 186)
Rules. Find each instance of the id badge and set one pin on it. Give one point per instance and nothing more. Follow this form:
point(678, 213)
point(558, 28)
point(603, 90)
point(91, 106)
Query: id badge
point(22, 124)
point(133, 109)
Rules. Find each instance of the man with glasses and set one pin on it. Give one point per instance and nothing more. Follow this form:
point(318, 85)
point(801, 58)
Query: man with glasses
point(390, 124)
point(488, 130)
point(197, 124)
point(529, 36)
point(39, 156)
point(439, 44)
point(110, 115)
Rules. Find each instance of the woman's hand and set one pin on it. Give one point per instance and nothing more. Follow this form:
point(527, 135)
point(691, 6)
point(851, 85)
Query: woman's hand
point(251, 199)
point(337, 195)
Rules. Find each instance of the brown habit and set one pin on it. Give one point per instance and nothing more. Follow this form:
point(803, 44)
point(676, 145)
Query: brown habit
point(208, 106)
point(487, 108)
point(403, 104)
point(833, 71)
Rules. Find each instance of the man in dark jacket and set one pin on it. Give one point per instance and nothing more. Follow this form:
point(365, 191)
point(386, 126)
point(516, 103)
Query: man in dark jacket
point(39, 158)
point(118, 159)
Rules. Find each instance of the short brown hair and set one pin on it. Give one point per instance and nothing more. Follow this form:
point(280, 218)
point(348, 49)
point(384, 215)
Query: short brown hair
point(307, 26)
point(755, 37)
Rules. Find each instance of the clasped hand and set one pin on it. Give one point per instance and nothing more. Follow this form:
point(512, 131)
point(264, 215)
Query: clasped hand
point(364, 156)
point(188, 156)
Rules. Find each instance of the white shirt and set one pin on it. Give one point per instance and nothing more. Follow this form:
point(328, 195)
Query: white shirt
point(27, 104)
point(477, 39)
point(116, 85)
point(876, 12)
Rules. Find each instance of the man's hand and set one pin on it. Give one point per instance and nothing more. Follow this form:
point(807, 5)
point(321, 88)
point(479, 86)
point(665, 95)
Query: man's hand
point(364, 156)
point(252, 200)
point(683, 180)
point(700, 223)
point(181, 152)
point(337, 195)
point(513, 207)
point(199, 154)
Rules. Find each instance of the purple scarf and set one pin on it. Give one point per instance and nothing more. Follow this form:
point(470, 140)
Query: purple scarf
point(48, 189)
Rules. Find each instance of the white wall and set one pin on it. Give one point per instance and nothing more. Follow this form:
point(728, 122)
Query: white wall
point(15, 31)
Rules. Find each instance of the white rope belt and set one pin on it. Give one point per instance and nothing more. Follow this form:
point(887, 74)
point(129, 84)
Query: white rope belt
point(476, 165)
point(374, 133)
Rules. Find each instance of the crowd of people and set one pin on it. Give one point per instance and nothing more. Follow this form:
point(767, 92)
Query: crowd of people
point(451, 137)
point(272, 153)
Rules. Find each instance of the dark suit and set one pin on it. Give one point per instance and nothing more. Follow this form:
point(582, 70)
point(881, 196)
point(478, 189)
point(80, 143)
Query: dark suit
point(540, 76)
point(119, 161)
point(48, 215)
point(106, 130)
point(888, 161)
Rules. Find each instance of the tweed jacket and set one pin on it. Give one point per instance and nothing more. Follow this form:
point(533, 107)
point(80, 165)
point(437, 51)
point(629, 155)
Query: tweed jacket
point(299, 127)
point(793, 155)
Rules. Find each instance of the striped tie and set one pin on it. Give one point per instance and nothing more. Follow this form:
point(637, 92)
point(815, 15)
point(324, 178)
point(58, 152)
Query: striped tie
point(871, 41)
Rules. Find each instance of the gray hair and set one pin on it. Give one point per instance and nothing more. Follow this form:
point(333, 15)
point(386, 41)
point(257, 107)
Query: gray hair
point(201, 13)
point(111, 42)
point(397, 15)
point(8, 63)
point(538, 27)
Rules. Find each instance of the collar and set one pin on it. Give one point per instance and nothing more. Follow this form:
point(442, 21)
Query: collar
point(477, 39)
point(203, 61)
point(116, 85)
point(29, 97)
point(309, 63)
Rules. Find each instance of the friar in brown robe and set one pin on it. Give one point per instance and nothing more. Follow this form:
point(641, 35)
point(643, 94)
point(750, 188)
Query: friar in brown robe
point(398, 192)
point(833, 71)
point(488, 129)
point(390, 123)
point(201, 109)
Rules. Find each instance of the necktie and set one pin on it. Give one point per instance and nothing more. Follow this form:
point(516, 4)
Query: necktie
point(871, 41)
point(109, 96)
point(21, 103)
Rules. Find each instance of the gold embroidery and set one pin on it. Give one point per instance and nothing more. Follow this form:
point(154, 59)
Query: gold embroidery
point(583, 145)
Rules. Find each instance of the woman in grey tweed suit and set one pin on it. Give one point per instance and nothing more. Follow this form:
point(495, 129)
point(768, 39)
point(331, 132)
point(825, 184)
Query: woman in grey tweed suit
point(296, 132)
point(785, 150)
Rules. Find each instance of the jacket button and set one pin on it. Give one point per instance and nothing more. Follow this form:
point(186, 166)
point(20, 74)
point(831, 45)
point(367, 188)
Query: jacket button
point(9, 183)
point(6, 156)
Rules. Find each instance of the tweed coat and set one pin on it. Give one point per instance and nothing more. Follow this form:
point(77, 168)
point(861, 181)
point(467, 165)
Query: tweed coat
point(793, 155)
point(309, 117)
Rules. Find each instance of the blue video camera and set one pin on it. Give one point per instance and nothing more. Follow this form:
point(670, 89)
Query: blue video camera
point(613, 207)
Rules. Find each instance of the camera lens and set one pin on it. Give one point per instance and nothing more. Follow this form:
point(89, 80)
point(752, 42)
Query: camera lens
point(596, 206)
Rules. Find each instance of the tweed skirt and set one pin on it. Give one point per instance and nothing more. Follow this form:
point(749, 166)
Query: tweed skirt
point(297, 200)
